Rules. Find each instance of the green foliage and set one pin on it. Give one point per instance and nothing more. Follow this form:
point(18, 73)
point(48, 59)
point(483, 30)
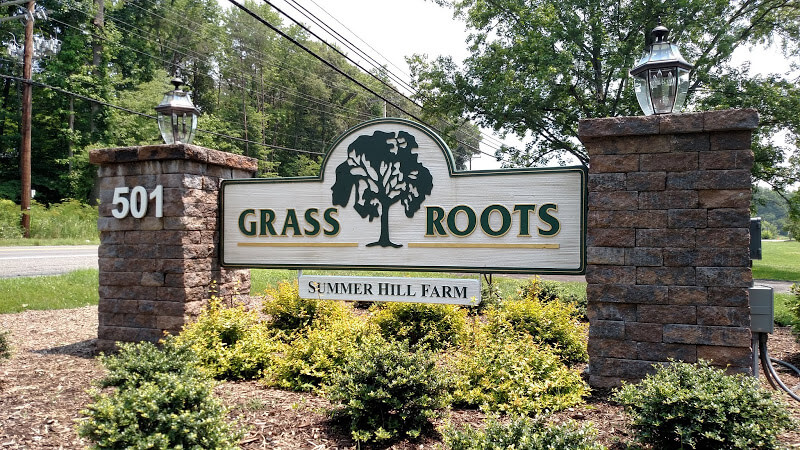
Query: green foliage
point(699, 406)
point(523, 433)
point(162, 401)
point(169, 410)
point(553, 324)
point(290, 313)
point(436, 326)
point(387, 390)
point(769, 230)
point(5, 345)
point(9, 220)
point(514, 375)
point(68, 219)
point(311, 358)
point(231, 343)
point(784, 314)
point(137, 363)
point(553, 291)
point(536, 69)
point(794, 307)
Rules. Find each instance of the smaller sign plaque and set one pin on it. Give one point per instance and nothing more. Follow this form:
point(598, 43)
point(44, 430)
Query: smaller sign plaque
point(456, 291)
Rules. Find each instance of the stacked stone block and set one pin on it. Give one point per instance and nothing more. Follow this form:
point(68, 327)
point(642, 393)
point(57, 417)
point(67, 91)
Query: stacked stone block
point(667, 245)
point(157, 272)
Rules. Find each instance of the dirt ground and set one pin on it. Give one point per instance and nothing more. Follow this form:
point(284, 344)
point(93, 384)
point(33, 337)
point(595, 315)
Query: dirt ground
point(44, 386)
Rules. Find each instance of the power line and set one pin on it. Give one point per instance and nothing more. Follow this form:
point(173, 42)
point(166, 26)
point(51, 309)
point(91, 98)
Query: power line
point(149, 116)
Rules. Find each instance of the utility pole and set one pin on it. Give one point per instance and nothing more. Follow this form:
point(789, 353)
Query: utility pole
point(25, 147)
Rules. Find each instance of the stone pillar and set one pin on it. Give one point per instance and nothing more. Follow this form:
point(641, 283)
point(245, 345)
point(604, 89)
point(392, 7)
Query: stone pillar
point(156, 272)
point(667, 245)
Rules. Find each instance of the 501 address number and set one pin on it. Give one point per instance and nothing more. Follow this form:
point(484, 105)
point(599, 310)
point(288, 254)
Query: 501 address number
point(136, 201)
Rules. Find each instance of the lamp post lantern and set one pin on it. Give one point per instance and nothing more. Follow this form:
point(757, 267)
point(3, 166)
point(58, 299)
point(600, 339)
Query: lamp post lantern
point(177, 116)
point(661, 77)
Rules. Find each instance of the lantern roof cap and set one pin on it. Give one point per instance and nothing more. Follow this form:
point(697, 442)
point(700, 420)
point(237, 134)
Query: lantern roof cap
point(177, 100)
point(661, 54)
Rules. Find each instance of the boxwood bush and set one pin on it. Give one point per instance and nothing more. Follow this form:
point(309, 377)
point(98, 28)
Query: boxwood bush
point(522, 433)
point(166, 403)
point(698, 406)
point(512, 375)
point(386, 390)
point(436, 326)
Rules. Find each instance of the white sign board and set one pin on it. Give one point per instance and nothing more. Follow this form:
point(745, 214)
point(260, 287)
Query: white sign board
point(458, 291)
point(389, 198)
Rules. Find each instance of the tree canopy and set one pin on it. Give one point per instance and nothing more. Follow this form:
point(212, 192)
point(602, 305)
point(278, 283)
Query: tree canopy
point(538, 66)
point(260, 95)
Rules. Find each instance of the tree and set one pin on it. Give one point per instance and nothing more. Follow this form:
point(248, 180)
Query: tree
point(539, 66)
point(382, 171)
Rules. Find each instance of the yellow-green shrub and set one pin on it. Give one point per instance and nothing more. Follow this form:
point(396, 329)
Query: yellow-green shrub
point(231, 343)
point(512, 375)
point(553, 324)
point(290, 313)
point(310, 360)
point(437, 326)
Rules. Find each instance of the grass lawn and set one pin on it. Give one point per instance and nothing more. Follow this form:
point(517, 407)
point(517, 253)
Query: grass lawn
point(781, 261)
point(71, 290)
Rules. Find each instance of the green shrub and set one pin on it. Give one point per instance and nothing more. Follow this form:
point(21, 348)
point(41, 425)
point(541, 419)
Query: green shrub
point(698, 406)
point(290, 313)
point(386, 390)
point(523, 433)
point(437, 326)
point(311, 359)
point(9, 220)
point(162, 401)
point(548, 291)
point(5, 346)
point(514, 375)
point(230, 343)
point(167, 411)
point(553, 324)
point(137, 363)
point(769, 230)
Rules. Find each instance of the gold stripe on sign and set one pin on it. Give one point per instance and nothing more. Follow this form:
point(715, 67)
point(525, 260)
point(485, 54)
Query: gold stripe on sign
point(298, 244)
point(448, 245)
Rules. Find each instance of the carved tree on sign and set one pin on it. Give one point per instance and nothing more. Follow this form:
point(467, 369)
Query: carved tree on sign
point(380, 171)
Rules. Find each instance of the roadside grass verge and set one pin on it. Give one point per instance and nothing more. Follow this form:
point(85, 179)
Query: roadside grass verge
point(72, 290)
point(781, 261)
point(39, 242)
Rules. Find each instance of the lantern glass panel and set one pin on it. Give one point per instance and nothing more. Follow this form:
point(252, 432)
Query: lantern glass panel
point(165, 127)
point(642, 93)
point(683, 89)
point(663, 86)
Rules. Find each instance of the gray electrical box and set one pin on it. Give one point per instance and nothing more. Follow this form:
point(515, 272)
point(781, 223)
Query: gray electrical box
point(755, 238)
point(762, 309)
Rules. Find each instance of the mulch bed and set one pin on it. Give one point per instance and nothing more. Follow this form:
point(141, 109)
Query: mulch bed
point(44, 386)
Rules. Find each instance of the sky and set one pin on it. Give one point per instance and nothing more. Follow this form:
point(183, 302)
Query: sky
point(390, 30)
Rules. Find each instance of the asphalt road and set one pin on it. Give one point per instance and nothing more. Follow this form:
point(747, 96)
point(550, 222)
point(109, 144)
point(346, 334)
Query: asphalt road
point(46, 260)
point(53, 260)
